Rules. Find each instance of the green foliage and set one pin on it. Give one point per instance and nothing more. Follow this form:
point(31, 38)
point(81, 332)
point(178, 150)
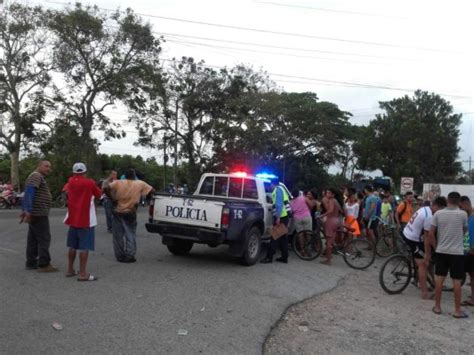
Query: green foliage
point(24, 76)
point(282, 127)
point(416, 136)
point(104, 58)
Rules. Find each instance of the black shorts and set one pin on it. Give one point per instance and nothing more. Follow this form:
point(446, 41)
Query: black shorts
point(452, 263)
point(469, 263)
point(417, 249)
point(372, 224)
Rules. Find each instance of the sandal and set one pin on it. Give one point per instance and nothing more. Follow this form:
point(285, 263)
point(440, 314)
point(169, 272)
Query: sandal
point(462, 316)
point(74, 273)
point(467, 303)
point(436, 311)
point(90, 278)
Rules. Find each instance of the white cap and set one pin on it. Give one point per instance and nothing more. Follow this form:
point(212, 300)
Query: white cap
point(79, 168)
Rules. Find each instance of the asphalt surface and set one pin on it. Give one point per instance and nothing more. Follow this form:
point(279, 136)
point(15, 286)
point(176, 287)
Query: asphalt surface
point(222, 306)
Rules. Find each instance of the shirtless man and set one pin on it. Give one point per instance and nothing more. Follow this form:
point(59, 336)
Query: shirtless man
point(332, 214)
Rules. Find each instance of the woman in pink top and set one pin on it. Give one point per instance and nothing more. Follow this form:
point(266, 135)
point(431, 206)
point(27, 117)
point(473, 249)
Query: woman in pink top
point(301, 217)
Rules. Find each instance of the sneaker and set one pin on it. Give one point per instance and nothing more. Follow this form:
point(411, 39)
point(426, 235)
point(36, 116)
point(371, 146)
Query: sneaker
point(31, 266)
point(130, 259)
point(48, 268)
point(127, 259)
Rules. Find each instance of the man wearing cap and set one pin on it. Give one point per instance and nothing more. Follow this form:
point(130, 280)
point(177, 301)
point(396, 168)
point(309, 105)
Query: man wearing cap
point(127, 195)
point(35, 211)
point(81, 219)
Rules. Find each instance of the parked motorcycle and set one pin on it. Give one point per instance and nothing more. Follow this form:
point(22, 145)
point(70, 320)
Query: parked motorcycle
point(9, 198)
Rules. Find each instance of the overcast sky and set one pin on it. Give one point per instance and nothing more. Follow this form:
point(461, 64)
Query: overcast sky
point(385, 45)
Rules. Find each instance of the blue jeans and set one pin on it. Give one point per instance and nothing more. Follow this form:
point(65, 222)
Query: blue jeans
point(108, 207)
point(124, 230)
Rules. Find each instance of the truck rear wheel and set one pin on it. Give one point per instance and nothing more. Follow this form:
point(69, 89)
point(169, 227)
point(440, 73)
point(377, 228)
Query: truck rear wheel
point(253, 247)
point(180, 247)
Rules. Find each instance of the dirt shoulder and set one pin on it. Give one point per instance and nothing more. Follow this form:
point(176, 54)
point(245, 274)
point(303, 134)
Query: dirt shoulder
point(358, 317)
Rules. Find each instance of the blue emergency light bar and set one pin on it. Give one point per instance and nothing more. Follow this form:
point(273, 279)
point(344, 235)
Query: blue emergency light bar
point(266, 176)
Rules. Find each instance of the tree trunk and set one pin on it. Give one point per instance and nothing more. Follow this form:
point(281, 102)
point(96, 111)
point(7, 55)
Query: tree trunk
point(15, 169)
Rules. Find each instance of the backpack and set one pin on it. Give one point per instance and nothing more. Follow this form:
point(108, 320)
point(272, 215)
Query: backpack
point(405, 206)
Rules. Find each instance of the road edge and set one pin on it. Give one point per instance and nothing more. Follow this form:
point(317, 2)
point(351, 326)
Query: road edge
point(340, 282)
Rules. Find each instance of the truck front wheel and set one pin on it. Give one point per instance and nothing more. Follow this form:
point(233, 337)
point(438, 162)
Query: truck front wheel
point(253, 247)
point(180, 247)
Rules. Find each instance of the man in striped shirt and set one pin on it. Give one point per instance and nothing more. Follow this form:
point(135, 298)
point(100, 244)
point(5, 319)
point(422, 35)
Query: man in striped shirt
point(35, 211)
point(449, 225)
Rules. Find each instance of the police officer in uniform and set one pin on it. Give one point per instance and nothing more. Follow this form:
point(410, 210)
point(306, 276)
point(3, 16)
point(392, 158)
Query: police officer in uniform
point(281, 211)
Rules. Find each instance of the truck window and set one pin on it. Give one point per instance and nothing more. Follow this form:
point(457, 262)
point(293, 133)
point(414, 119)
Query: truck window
point(207, 185)
point(221, 186)
point(235, 187)
point(250, 189)
point(268, 191)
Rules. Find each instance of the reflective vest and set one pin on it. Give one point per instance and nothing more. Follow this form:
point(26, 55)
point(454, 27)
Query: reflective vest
point(286, 210)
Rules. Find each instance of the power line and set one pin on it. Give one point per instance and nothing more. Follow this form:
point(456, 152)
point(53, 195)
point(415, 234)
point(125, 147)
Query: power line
point(344, 83)
point(282, 47)
point(363, 85)
point(275, 53)
point(280, 33)
point(347, 12)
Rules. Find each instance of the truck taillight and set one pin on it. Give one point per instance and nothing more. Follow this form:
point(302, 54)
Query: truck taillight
point(225, 218)
point(151, 209)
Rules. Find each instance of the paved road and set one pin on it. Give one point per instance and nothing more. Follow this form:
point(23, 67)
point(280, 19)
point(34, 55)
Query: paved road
point(139, 308)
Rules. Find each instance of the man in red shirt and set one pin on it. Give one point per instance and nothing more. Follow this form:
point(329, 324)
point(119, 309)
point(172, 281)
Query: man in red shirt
point(81, 219)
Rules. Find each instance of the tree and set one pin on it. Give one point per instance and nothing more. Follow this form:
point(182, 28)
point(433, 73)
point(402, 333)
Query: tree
point(104, 59)
point(181, 112)
point(416, 136)
point(24, 76)
point(280, 129)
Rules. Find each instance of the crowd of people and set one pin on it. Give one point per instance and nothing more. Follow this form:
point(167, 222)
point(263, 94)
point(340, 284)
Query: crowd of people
point(122, 198)
point(439, 232)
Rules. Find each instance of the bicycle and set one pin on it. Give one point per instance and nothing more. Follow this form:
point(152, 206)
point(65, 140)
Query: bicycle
point(61, 200)
point(398, 270)
point(358, 253)
point(386, 242)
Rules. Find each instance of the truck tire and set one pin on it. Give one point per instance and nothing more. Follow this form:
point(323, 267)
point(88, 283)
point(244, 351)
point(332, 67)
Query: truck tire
point(252, 247)
point(180, 247)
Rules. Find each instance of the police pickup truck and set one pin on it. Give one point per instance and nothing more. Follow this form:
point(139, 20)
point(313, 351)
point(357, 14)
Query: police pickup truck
point(233, 209)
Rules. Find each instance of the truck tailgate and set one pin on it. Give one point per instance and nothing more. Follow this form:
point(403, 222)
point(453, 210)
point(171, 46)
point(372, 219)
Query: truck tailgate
point(188, 211)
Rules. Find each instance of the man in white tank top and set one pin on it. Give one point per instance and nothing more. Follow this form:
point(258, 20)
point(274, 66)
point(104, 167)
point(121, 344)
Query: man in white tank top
point(415, 235)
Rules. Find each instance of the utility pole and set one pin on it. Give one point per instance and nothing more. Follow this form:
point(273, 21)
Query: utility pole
point(176, 145)
point(470, 168)
point(165, 159)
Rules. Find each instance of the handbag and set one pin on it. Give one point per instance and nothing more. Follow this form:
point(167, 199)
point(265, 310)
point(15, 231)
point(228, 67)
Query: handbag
point(278, 231)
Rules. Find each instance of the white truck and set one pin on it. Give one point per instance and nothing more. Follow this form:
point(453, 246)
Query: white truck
point(233, 209)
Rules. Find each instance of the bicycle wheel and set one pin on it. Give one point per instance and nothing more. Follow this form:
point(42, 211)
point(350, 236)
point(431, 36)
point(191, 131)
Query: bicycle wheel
point(385, 245)
point(359, 253)
point(61, 201)
point(395, 274)
point(307, 245)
